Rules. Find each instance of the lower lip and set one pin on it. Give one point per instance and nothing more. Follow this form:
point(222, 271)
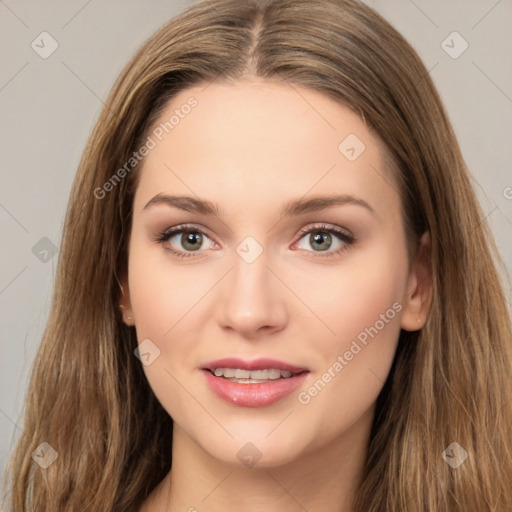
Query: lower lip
point(253, 395)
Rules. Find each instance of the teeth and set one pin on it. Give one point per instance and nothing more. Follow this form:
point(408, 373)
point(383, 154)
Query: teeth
point(274, 374)
point(236, 373)
point(242, 374)
point(259, 374)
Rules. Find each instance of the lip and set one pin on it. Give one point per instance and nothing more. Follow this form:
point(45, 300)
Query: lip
point(256, 364)
point(254, 394)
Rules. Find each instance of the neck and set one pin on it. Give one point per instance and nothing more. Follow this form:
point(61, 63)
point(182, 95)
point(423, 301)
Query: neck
point(325, 479)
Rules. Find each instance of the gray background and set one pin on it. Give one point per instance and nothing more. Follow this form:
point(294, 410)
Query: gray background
point(48, 107)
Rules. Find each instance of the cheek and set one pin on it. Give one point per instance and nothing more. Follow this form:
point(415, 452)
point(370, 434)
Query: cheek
point(364, 312)
point(365, 291)
point(161, 292)
point(163, 296)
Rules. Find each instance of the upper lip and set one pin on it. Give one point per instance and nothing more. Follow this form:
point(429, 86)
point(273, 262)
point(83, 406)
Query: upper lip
point(255, 364)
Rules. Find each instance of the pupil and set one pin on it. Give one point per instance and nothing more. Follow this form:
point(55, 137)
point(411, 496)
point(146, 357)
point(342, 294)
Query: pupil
point(192, 238)
point(322, 237)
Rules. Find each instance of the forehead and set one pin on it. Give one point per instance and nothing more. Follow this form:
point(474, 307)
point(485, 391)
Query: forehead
point(251, 140)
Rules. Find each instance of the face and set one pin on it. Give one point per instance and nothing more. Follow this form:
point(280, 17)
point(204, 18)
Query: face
point(267, 233)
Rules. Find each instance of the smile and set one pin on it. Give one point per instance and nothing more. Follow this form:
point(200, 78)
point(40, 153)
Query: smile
point(257, 383)
point(251, 377)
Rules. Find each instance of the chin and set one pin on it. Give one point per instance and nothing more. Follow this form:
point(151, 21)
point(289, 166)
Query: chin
point(255, 449)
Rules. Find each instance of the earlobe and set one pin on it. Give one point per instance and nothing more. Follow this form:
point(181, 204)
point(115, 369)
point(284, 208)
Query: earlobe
point(125, 304)
point(418, 299)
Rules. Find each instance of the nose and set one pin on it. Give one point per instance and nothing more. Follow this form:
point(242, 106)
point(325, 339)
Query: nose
point(252, 299)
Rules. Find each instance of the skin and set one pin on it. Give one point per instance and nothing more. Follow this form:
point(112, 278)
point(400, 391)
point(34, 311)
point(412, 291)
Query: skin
point(251, 146)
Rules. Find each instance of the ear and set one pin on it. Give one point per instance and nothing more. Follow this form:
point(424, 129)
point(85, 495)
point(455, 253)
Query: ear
point(418, 299)
point(125, 303)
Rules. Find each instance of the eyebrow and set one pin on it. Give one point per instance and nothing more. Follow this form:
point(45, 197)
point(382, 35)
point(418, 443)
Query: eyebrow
point(292, 208)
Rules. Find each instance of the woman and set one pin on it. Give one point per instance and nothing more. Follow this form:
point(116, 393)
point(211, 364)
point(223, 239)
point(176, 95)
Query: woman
point(272, 239)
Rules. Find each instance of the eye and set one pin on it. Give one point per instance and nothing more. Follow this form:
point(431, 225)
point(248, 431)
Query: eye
point(187, 239)
point(324, 238)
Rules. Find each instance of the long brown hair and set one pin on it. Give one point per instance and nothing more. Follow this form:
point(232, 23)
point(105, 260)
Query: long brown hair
point(450, 382)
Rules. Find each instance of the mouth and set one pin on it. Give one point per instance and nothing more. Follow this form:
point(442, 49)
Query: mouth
point(253, 383)
point(252, 377)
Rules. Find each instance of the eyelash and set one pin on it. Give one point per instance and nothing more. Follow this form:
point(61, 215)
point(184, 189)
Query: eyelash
point(344, 236)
